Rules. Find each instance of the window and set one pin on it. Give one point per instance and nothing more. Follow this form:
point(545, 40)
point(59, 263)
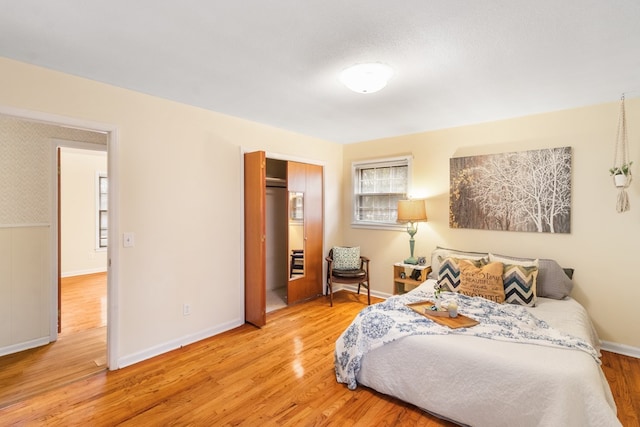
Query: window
point(377, 187)
point(102, 203)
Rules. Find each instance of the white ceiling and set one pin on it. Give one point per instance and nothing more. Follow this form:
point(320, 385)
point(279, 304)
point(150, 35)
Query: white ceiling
point(276, 61)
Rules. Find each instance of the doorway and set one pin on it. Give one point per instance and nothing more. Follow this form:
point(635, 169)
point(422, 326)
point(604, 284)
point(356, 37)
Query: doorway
point(44, 132)
point(82, 244)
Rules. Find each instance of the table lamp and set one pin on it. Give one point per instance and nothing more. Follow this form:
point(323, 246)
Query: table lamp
point(412, 211)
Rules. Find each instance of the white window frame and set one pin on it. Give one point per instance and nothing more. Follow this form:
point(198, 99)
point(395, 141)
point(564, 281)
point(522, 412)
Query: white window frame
point(384, 162)
point(100, 175)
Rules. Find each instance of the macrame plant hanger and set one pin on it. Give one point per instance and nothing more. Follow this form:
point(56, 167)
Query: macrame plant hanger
point(621, 162)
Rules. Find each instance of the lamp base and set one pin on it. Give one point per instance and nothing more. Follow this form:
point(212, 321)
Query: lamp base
point(411, 260)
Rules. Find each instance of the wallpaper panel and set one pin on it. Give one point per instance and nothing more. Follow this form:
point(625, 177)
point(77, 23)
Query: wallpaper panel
point(25, 168)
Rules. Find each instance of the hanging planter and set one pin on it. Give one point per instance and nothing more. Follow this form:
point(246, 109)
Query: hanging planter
point(620, 180)
point(621, 175)
point(621, 170)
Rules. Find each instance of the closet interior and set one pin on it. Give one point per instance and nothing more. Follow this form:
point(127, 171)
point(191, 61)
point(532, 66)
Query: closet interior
point(278, 235)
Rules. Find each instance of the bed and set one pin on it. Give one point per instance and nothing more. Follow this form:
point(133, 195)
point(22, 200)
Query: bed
point(534, 364)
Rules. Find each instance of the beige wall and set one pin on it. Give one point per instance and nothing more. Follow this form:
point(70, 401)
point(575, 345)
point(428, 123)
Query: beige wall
point(80, 169)
point(602, 243)
point(180, 193)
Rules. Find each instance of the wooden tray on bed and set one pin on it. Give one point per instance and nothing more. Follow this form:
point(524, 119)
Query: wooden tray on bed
point(461, 321)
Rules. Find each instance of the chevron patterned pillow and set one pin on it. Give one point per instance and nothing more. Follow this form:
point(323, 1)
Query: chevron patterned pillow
point(520, 284)
point(552, 280)
point(449, 271)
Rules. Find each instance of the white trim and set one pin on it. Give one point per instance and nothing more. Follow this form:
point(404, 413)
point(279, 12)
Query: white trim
point(623, 349)
point(15, 348)
point(384, 161)
point(83, 272)
point(379, 226)
point(70, 146)
point(113, 250)
point(177, 343)
point(354, 289)
point(241, 299)
point(114, 226)
point(36, 224)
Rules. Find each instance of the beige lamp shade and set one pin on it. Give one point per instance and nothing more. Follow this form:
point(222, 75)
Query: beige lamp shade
point(412, 210)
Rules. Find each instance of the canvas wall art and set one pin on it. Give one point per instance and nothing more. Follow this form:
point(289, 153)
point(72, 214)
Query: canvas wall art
point(520, 191)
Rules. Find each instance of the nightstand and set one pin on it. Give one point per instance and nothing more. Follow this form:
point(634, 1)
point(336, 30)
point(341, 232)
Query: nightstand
point(400, 284)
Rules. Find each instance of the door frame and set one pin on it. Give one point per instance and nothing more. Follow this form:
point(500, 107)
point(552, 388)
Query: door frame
point(56, 170)
point(275, 156)
point(112, 132)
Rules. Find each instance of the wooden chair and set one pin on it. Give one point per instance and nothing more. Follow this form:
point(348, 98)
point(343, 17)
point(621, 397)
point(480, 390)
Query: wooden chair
point(350, 277)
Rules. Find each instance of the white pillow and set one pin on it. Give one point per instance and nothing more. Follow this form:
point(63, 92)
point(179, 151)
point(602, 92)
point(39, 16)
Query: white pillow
point(448, 253)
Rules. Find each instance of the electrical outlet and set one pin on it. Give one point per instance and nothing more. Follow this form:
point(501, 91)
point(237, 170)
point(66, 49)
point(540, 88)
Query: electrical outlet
point(186, 309)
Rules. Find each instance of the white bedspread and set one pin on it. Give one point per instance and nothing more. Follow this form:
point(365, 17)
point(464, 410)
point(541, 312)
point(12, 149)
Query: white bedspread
point(494, 382)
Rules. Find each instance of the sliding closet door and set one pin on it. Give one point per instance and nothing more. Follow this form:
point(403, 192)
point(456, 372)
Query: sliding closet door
point(255, 274)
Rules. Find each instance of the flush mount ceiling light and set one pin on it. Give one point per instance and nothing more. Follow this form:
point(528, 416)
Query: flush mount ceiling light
point(366, 78)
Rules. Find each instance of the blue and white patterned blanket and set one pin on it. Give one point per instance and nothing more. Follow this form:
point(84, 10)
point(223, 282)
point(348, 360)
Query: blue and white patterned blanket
point(391, 320)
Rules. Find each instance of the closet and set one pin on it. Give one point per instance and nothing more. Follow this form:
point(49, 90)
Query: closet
point(283, 202)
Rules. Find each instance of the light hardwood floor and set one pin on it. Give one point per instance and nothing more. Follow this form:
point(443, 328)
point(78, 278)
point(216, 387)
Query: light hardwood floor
point(281, 374)
point(80, 350)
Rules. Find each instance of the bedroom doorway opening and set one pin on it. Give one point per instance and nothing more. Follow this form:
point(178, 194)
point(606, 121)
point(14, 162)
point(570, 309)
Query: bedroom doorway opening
point(82, 208)
point(39, 136)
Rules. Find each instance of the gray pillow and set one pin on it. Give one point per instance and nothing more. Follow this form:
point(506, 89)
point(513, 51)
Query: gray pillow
point(552, 282)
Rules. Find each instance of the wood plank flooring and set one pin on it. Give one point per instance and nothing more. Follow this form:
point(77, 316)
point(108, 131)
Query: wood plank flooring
point(623, 375)
point(281, 375)
point(80, 351)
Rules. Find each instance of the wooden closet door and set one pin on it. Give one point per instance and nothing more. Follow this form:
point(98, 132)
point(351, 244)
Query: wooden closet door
point(255, 258)
point(314, 228)
point(306, 178)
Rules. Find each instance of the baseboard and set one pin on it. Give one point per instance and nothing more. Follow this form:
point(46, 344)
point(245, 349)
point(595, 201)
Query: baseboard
point(83, 272)
point(15, 348)
point(623, 349)
point(354, 289)
point(174, 344)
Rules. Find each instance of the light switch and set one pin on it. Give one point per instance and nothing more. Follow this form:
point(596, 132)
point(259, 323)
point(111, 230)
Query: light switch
point(128, 240)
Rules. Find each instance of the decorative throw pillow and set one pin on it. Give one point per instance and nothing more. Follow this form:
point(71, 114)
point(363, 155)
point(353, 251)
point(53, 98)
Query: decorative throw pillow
point(442, 253)
point(520, 284)
point(552, 280)
point(485, 281)
point(346, 258)
point(449, 272)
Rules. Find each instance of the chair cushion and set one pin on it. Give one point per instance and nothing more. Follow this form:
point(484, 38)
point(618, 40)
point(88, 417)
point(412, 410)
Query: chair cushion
point(349, 273)
point(346, 258)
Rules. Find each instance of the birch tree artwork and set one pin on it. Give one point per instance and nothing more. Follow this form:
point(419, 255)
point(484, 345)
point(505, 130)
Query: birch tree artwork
point(522, 191)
